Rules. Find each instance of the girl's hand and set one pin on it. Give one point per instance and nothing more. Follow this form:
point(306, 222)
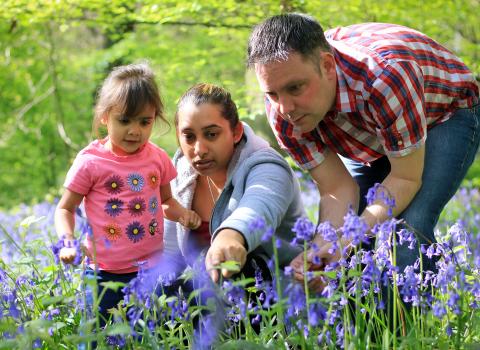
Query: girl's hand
point(67, 255)
point(190, 219)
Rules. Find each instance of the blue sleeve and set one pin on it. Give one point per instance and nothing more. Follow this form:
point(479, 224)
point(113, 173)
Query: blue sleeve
point(268, 193)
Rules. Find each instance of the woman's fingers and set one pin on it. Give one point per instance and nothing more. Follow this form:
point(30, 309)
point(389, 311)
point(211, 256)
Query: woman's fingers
point(219, 253)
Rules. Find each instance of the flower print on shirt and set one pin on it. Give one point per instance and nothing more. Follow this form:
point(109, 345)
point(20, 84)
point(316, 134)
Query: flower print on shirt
point(153, 227)
point(153, 179)
point(136, 206)
point(135, 181)
point(153, 205)
point(135, 231)
point(114, 184)
point(113, 231)
point(114, 207)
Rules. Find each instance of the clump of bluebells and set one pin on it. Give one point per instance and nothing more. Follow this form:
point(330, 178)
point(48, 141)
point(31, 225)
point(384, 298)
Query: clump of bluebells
point(367, 301)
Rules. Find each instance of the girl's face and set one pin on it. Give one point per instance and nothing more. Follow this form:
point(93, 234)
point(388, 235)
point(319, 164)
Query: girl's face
point(128, 134)
point(206, 138)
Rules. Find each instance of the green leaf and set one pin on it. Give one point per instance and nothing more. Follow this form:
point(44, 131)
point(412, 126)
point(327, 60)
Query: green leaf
point(113, 285)
point(242, 344)
point(230, 265)
point(29, 220)
point(118, 329)
point(52, 300)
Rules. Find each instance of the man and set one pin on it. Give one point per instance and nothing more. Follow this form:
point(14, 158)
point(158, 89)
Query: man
point(364, 104)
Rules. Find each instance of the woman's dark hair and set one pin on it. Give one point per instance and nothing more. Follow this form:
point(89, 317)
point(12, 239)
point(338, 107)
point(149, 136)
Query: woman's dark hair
point(213, 94)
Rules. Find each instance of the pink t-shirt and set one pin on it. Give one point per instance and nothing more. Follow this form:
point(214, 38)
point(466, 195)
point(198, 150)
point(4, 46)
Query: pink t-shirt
point(122, 203)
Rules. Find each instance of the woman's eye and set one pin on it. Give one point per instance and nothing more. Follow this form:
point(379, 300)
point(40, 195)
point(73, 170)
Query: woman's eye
point(211, 135)
point(188, 137)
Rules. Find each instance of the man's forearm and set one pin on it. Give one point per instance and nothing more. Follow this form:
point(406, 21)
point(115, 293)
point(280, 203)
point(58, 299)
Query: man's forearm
point(402, 190)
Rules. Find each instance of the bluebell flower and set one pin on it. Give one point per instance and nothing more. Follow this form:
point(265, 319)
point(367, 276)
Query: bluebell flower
point(325, 338)
point(304, 229)
point(317, 312)
point(380, 192)
point(409, 286)
point(355, 228)
point(406, 236)
point(207, 333)
point(449, 330)
point(327, 231)
point(439, 310)
point(37, 343)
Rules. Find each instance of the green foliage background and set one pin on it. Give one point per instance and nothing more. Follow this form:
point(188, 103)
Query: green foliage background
point(54, 55)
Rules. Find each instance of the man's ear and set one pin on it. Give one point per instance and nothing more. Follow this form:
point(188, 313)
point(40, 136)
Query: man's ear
point(237, 132)
point(328, 65)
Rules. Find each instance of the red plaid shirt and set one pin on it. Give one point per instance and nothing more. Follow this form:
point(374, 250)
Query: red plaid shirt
point(394, 83)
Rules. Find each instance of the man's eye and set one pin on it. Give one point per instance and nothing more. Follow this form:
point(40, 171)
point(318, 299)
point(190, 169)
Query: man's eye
point(295, 89)
point(211, 135)
point(273, 97)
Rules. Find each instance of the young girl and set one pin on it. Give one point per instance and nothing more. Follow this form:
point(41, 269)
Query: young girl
point(124, 180)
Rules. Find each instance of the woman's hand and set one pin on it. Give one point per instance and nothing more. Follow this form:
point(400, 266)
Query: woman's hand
point(190, 219)
point(227, 245)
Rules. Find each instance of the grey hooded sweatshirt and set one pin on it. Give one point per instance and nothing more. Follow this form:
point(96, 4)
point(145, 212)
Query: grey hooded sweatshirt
point(260, 183)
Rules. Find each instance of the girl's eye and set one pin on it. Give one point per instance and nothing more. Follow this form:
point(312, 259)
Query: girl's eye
point(146, 122)
point(123, 121)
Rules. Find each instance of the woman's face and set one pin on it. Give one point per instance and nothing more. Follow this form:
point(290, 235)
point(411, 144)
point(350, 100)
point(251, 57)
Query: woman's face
point(206, 138)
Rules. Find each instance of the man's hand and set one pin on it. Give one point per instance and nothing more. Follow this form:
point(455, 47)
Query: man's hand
point(190, 219)
point(227, 245)
point(317, 260)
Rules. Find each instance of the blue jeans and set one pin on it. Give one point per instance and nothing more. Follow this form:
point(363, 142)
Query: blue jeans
point(450, 149)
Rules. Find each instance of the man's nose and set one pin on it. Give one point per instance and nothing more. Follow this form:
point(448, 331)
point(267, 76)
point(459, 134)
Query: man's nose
point(285, 105)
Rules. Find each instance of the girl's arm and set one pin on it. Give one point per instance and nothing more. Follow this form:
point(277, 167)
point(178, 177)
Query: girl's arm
point(173, 211)
point(65, 222)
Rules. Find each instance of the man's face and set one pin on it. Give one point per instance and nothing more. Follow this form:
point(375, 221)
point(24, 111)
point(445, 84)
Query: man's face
point(301, 90)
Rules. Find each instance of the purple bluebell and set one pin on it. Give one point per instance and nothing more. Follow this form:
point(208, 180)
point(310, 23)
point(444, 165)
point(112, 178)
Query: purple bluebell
point(304, 230)
point(317, 312)
point(354, 228)
point(380, 192)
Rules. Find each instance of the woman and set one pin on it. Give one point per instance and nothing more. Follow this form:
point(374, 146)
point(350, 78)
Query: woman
point(230, 177)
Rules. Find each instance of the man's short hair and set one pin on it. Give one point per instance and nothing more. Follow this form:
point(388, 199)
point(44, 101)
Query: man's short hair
point(278, 36)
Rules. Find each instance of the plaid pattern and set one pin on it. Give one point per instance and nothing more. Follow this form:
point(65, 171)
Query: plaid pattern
point(394, 83)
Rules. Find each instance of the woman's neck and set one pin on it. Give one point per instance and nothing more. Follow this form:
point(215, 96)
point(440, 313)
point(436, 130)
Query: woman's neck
point(218, 180)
